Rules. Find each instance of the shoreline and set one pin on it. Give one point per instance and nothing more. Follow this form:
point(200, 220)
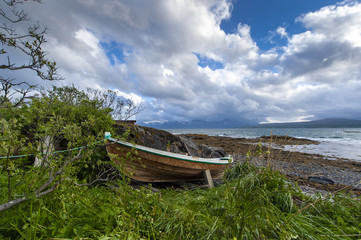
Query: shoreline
point(298, 166)
point(332, 142)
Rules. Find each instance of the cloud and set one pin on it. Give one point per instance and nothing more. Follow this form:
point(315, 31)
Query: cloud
point(282, 32)
point(323, 63)
point(173, 57)
point(339, 22)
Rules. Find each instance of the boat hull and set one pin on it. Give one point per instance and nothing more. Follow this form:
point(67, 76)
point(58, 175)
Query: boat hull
point(143, 164)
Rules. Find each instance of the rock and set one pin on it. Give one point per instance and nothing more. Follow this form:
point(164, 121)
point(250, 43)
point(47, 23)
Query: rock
point(192, 148)
point(151, 137)
point(163, 140)
point(211, 152)
point(288, 140)
point(321, 179)
point(218, 151)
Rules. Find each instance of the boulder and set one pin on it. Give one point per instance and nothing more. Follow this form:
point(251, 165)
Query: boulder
point(321, 179)
point(163, 140)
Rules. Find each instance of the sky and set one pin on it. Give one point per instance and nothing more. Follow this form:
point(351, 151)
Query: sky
point(259, 61)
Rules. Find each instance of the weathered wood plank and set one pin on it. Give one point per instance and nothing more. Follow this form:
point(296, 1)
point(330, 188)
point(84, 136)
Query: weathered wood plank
point(208, 178)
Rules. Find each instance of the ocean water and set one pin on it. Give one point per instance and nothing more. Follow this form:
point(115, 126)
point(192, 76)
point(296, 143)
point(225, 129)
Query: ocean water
point(334, 142)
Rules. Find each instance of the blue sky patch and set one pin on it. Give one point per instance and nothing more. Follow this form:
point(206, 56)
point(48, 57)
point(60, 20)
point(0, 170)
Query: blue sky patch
point(115, 51)
point(264, 17)
point(204, 61)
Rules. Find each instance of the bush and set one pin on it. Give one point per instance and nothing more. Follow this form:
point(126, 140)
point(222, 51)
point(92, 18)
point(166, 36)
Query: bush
point(63, 119)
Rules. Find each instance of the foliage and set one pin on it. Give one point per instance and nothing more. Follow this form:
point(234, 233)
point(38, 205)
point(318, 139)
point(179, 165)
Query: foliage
point(74, 107)
point(63, 119)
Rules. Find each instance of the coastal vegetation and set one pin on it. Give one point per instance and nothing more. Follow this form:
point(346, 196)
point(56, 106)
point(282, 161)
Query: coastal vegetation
point(67, 195)
point(252, 203)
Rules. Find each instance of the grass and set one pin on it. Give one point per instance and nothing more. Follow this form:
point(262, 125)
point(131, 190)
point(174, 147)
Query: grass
point(253, 203)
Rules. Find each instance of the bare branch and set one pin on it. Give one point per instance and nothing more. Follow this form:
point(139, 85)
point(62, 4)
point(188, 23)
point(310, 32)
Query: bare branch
point(123, 109)
point(9, 89)
point(17, 15)
point(131, 110)
point(104, 176)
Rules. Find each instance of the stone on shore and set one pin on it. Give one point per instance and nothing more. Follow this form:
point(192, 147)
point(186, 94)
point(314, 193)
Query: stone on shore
point(163, 140)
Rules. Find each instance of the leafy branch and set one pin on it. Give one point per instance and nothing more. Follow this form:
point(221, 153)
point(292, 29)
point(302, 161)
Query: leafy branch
point(48, 187)
point(28, 45)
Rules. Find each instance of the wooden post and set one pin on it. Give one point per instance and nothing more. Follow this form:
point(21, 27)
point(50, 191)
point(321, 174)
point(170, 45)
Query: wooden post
point(208, 178)
point(47, 146)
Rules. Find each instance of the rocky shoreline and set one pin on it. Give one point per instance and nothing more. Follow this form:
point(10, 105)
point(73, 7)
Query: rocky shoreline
point(309, 170)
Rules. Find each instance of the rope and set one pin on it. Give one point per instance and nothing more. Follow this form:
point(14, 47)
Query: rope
point(60, 151)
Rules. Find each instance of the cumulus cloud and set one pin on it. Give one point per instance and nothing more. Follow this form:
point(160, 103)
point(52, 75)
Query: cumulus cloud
point(156, 52)
point(282, 32)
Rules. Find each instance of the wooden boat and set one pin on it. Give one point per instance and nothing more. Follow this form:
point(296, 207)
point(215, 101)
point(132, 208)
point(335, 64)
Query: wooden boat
point(152, 165)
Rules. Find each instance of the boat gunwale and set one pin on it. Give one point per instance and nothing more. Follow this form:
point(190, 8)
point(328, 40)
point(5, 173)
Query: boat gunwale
point(216, 161)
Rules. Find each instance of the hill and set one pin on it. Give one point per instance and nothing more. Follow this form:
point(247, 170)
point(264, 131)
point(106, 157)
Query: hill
point(323, 123)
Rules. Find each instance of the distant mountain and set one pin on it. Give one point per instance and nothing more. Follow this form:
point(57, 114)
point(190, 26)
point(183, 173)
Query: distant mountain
point(198, 124)
point(201, 124)
point(323, 123)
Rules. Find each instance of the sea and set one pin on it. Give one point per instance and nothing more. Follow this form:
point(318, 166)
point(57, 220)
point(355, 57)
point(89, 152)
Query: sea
point(335, 143)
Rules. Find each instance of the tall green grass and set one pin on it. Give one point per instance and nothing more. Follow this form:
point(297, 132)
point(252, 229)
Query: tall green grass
point(253, 203)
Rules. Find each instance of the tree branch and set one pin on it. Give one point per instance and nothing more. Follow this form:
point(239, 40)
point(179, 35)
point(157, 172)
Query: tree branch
point(57, 173)
point(23, 199)
point(99, 178)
